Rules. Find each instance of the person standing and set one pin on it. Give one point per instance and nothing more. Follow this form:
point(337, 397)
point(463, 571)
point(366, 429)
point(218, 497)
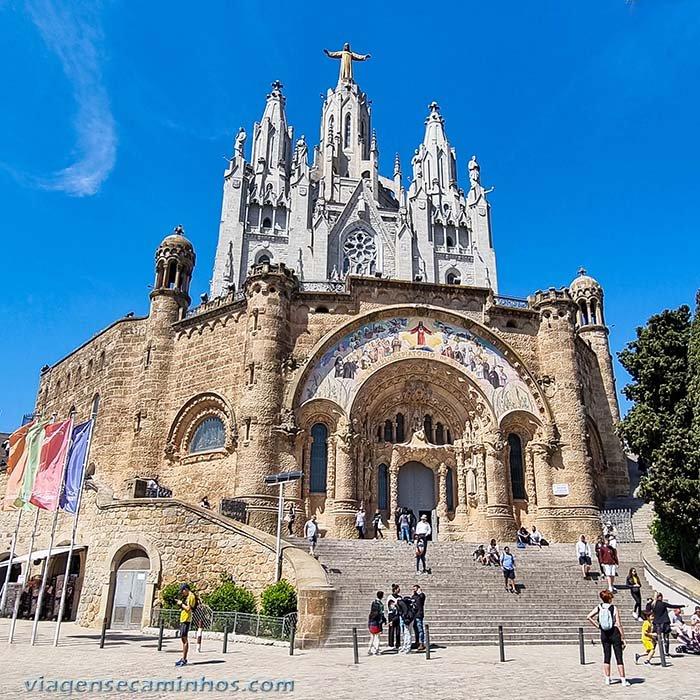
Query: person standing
point(393, 616)
point(375, 624)
point(598, 546)
point(187, 606)
point(311, 534)
point(405, 526)
point(606, 618)
point(662, 622)
point(508, 566)
point(423, 530)
point(609, 560)
point(418, 626)
point(290, 519)
point(583, 552)
point(635, 588)
point(360, 523)
point(378, 526)
point(420, 554)
point(406, 610)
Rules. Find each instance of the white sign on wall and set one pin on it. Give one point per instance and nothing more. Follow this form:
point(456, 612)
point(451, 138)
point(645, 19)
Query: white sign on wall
point(560, 489)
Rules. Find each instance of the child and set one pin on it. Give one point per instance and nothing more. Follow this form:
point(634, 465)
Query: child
point(649, 638)
point(479, 555)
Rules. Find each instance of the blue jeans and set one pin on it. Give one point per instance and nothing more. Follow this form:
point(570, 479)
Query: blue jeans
point(405, 533)
point(420, 632)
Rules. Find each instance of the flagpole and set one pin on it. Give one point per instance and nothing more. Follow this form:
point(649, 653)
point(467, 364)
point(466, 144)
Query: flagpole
point(62, 604)
point(13, 546)
point(45, 575)
point(26, 578)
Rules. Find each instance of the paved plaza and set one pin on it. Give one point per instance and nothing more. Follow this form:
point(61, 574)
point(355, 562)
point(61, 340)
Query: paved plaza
point(537, 672)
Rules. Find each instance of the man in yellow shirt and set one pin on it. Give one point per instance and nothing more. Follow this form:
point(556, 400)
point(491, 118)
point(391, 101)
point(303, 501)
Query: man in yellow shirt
point(187, 606)
point(649, 638)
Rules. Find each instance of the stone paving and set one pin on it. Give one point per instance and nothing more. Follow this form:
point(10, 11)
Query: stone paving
point(532, 672)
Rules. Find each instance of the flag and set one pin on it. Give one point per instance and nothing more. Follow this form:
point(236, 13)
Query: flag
point(25, 479)
point(49, 474)
point(16, 463)
point(77, 459)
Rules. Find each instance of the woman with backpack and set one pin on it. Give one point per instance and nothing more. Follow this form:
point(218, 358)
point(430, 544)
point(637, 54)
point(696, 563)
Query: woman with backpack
point(607, 619)
point(375, 623)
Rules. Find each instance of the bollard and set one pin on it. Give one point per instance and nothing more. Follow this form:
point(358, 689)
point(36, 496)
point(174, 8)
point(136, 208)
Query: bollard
point(662, 650)
point(292, 634)
point(224, 648)
point(103, 634)
point(160, 634)
point(581, 647)
point(427, 642)
point(355, 651)
point(501, 649)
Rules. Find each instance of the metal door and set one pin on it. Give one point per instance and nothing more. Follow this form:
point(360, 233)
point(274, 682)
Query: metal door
point(129, 599)
point(416, 487)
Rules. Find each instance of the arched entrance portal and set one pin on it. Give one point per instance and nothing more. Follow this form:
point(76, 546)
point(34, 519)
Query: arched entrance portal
point(130, 590)
point(417, 488)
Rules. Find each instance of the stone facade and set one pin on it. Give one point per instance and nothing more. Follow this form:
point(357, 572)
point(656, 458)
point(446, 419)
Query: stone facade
point(486, 412)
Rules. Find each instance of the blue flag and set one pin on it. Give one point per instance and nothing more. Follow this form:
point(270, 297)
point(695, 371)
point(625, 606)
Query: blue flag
point(77, 457)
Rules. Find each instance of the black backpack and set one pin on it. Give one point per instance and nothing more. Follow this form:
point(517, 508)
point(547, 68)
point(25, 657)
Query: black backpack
point(407, 609)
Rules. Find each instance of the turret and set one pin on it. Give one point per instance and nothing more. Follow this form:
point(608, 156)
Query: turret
point(175, 260)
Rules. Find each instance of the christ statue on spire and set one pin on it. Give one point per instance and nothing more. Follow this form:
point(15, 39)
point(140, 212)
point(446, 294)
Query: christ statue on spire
point(346, 57)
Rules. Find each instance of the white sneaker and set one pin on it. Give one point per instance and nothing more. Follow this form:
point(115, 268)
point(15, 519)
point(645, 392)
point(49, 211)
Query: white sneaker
point(607, 681)
point(625, 682)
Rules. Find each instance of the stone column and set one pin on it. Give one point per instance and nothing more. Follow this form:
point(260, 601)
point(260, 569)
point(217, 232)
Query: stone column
point(461, 482)
point(330, 474)
point(481, 493)
point(345, 504)
point(393, 488)
point(530, 487)
point(442, 490)
point(499, 511)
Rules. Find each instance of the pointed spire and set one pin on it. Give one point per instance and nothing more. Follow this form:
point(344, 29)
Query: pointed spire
point(373, 146)
point(397, 166)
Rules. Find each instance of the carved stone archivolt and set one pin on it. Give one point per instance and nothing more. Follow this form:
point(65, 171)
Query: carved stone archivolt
point(189, 418)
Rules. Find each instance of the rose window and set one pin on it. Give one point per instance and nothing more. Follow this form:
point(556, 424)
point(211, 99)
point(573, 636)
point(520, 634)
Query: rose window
point(360, 253)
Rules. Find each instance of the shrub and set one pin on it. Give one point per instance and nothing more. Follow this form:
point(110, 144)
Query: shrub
point(228, 597)
point(171, 593)
point(279, 599)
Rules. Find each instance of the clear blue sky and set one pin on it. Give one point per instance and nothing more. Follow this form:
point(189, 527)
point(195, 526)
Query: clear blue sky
point(116, 118)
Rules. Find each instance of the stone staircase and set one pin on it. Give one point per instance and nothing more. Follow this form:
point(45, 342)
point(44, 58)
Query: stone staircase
point(466, 602)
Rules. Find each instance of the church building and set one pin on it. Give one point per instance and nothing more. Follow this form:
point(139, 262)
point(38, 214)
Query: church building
point(354, 332)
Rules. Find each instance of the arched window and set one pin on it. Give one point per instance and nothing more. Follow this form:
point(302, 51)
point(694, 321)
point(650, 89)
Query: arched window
point(319, 458)
point(95, 405)
point(584, 313)
point(331, 125)
point(448, 437)
point(453, 277)
point(517, 469)
point(400, 428)
point(450, 242)
point(267, 223)
point(594, 312)
point(263, 259)
point(348, 131)
point(388, 431)
point(450, 488)
point(439, 434)
point(172, 273)
point(383, 487)
point(209, 435)
point(379, 433)
point(428, 428)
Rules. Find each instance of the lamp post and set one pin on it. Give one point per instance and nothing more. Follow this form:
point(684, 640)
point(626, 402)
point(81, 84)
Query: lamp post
point(280, 480)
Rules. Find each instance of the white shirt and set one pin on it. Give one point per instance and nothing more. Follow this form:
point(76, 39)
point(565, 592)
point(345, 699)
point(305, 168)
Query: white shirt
point(423, 528)
point(311, 528)
point(582, 549)
point(360, 519)
point(535, 536)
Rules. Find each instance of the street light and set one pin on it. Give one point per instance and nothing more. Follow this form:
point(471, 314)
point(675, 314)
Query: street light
point(281, 480)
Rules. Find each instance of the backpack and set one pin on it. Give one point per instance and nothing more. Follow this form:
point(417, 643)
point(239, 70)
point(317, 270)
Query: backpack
point(606, 617)
point(407, 609)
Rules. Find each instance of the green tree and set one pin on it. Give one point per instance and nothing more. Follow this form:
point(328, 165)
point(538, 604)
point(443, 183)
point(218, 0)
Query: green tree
point(171, 593)
point(663, 427)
